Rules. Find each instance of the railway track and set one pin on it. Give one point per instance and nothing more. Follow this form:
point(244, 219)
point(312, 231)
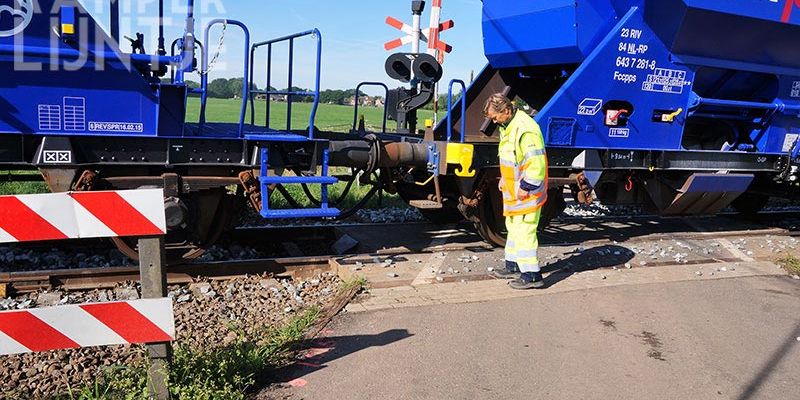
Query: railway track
point(104, 278)
point(567, 232)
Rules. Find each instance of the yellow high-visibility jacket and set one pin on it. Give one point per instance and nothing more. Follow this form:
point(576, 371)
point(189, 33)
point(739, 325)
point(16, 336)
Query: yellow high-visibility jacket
point(523, 164)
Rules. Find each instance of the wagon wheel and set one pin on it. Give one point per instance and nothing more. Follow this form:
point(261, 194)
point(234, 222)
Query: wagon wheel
point(209, 215)
point(491, 223)
point(750, 204)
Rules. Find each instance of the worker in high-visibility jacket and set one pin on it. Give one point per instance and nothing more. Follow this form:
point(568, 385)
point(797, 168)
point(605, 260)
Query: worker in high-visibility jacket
point(523, 182)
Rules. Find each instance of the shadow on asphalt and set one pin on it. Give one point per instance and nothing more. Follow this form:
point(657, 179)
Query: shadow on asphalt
point(318, 352)
point(598, 257)
point(780, 353)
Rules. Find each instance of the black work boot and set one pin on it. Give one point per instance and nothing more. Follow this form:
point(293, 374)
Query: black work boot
point(511, 271)
point(528, 280)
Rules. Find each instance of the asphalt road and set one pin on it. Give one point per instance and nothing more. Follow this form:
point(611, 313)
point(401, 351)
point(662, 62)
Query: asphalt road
point(720, 339)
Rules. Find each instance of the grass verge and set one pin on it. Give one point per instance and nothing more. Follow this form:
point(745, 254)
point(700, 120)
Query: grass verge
point(226, 373)
point(790, 263)
point(336, 195)
point(11, 188)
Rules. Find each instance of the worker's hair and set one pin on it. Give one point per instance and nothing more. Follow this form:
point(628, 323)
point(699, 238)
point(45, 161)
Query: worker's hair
point(498, 103)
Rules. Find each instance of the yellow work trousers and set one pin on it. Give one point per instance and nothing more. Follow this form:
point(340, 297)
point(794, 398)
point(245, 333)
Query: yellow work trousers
point(523, 244)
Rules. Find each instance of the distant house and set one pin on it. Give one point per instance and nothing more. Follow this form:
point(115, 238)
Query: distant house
point(363, 101)
point(379, 102)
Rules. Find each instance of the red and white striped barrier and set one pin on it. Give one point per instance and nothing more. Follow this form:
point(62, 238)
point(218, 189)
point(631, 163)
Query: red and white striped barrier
point(82, 215)
point(86, 325)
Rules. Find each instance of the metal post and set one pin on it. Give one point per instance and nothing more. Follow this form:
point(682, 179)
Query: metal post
point(325, 160)
point(162, 49)
point(269, 82)
point(436, 103)
point(154, 285)
point(250, 85)
point(417, 7)
point(115, 20)
point(289, 97)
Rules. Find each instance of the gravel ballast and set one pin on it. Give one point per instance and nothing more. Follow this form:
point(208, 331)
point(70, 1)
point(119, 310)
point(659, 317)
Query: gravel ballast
point(205, 313)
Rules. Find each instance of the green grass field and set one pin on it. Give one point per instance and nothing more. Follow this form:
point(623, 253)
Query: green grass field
point(330, 117)
point(356, 193)
point(11, 188)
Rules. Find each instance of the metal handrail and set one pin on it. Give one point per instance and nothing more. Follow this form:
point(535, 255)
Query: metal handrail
point(450, 109)
point(386, 97)
point(204, 72)
point(289, 93)
point(778, 105)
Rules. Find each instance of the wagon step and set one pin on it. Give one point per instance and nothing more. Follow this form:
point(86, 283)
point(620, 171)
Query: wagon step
point(324, 180)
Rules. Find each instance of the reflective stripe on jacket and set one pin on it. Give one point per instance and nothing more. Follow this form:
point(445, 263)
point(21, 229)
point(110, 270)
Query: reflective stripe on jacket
point(522, 157)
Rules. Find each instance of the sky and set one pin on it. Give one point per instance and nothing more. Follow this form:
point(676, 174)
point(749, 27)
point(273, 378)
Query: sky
point(353, 34)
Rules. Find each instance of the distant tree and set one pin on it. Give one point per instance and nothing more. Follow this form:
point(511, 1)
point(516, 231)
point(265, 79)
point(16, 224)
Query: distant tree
point(338, 96)
point(237, 87)
point(442, 105)
point(220, 88)
point(300, 98)
point(331, 97)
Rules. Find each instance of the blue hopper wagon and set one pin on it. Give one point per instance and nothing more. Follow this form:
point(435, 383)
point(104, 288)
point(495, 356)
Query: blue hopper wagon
point(685, 106)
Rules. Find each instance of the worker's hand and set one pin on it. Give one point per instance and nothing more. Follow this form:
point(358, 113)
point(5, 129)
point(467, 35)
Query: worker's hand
point(501, 186)
point(523, 194)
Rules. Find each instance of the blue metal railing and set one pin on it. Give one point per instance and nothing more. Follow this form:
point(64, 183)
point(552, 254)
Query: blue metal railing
point(386, 97)
point(770, 110)
point(288, 93)
point(777, 106)
point(450, 109)
point(204, 72)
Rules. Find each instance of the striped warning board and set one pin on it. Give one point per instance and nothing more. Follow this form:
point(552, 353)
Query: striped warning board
point(81, 215)
point(86, 325)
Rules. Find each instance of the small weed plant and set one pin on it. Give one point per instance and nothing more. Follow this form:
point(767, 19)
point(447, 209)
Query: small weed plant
point(225, 373)
point(359, 282)
point(790, 263)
